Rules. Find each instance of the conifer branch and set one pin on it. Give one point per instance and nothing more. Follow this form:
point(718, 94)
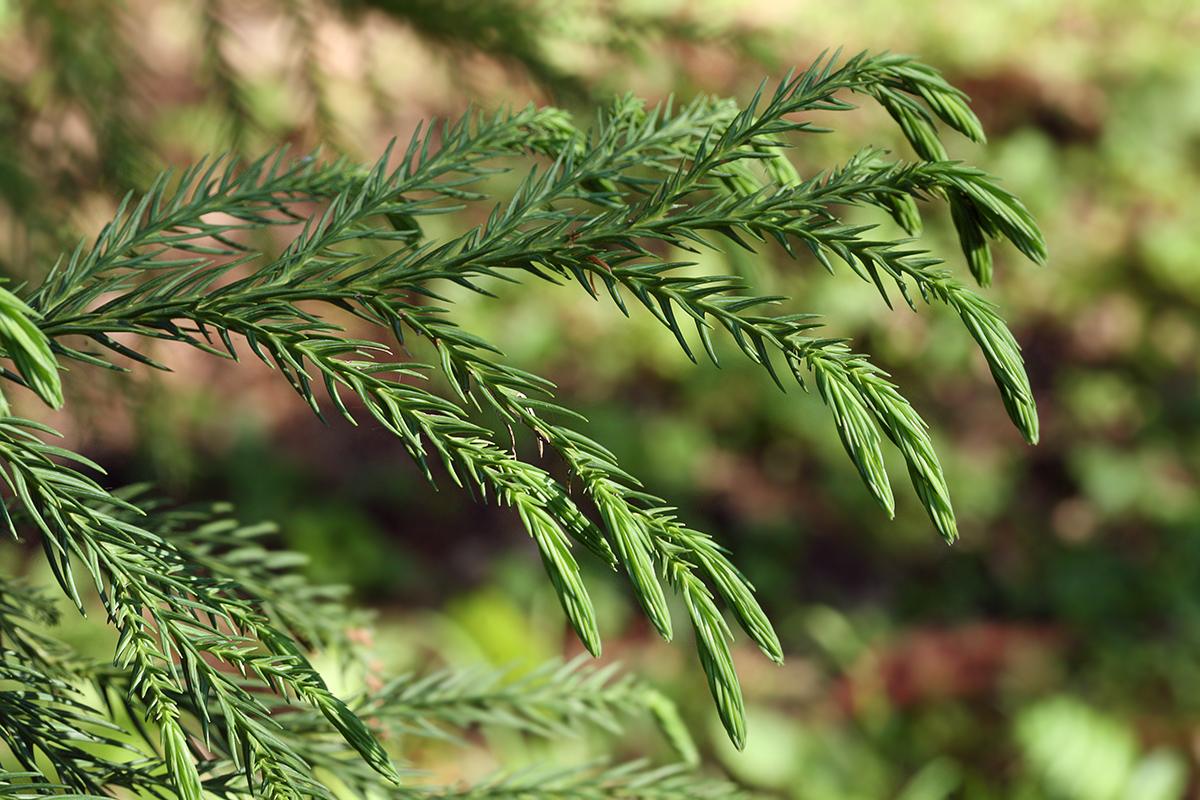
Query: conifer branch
point(626, 781)
point(211, 662)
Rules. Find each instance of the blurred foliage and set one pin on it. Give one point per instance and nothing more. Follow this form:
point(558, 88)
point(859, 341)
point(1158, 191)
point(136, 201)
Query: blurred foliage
point(1061, 631)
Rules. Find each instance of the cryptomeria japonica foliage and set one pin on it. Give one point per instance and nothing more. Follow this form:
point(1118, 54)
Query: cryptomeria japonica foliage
point(210, 689)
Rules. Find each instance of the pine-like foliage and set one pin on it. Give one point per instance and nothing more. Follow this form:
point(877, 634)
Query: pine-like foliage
point(210, 690)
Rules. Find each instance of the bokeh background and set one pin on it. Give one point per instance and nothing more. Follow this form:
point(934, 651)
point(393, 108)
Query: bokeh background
point(1054, 652)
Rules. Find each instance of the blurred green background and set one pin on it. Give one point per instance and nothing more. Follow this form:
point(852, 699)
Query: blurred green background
point(1053, 652)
